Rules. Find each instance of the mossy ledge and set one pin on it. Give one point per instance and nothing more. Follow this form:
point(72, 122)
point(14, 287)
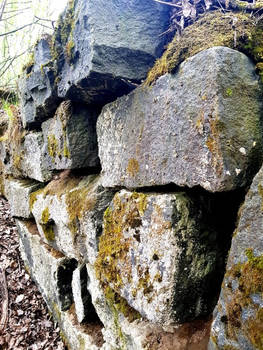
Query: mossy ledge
point(237, 31)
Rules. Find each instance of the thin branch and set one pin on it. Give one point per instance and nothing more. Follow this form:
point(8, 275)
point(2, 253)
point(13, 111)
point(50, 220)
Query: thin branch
point(4, 316)
point(167, 3)
point(17, 29)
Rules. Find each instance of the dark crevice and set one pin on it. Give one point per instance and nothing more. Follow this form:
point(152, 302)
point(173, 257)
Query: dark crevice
point(64, 279)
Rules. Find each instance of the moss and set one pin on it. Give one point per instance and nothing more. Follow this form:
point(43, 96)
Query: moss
point(56, 311)
point(70, 50)
point(255, 329)
point(48, 230)
point(66, 151)
point(113, 260)
point(229, 92)
point(260, 191)
point(79, 201)
point(28, 66)
point(63, 36)
point(52, 146)
point(33, 197)
point(132, 167)
point(213, 29)
point(45, 216)
point(250, 281)
point(118, 305)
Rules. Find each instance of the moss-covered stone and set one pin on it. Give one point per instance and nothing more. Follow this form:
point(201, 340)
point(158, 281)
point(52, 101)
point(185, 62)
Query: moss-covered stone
point(238, 31)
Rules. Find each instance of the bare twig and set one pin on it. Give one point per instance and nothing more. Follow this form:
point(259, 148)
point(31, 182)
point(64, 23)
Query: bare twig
point(17, 29)
point(4, 308)
point(167, 3)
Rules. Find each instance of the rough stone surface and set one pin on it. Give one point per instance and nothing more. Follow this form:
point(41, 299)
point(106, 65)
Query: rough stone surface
point(70, 137)
point(69, 213)
point(82, 299)
point(190, 128)
point(55, 287)
point(101, 57)
point(26, 158)
point(122, 330)
point(238, 317)
point(37, 87)
point(34, 158)
point(159, 254)
point(18, 193)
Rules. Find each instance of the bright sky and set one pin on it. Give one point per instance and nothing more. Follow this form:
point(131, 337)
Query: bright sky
point(58, 6)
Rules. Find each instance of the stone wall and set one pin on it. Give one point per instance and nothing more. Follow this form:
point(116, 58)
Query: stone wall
point(126, 195)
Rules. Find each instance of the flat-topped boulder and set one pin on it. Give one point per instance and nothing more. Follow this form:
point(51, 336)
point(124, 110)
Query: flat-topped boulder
point(70, 137)
point(37, 88)
point(198, 127)
point(100, 59)
point(238, 317)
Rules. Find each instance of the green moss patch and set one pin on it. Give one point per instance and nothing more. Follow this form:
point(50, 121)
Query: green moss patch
point(238, 31)
point(250, 281)
point(113, 260)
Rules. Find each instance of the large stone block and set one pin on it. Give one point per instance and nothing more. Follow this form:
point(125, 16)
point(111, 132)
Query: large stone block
point(238, 317)
point(25, 156)
point(52, 272)
point(69, 214)
point(125, 329)
point(105, 46)
point(198, 127)
point(70, 137)
point(37, 86)
point(18, 193)
point(159, 253)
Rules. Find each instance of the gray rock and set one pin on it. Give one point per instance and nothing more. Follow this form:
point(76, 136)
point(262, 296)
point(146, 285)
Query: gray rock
point(69, 213)
point(25, 156)
point(37, 87)
point(83, 306)
point(102, 57)
point(34, 159)
point(238, 316)
point(52, 272)
point(18, 193)
point(158, 252)
point(70, 137)
point(190, 128)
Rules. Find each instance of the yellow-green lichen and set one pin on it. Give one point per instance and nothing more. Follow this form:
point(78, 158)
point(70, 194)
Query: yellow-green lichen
point(132, 167)
point(250, 281)
point(47, 225)
point(113, 259)
point(52, 146)
point(213, 29)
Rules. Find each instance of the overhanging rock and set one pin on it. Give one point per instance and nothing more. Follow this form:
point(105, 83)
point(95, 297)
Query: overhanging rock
point(100, 59)
point(200, 126)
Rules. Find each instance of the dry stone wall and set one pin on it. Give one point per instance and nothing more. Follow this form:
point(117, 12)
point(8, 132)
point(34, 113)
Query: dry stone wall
point(126, 201)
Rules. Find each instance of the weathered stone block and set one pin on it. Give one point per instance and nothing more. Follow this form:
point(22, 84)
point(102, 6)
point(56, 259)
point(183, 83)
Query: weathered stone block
point(190, 128)
point(238, 317)
point(83, 306)
point(159, 254)
point(69, 212)
point(34, 160)
point(37, 86)
point(101, 58)
point(18, 193)
point(70, 137)
point(52, 272)
point(26, 157)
